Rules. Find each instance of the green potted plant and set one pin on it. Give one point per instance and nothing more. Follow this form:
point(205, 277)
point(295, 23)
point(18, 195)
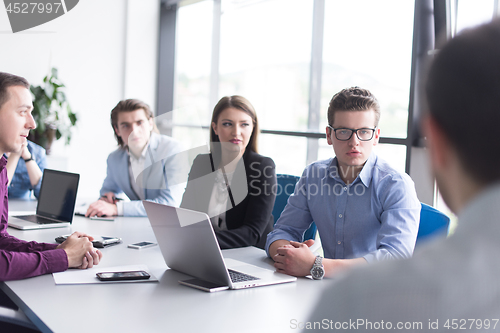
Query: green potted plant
point(52, 112)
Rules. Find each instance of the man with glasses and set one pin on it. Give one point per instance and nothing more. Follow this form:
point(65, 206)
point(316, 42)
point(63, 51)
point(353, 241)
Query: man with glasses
point(365, 210)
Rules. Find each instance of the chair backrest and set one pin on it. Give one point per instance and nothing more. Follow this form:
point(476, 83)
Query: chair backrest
point(286, 186)
point(433, 223)
point(12, 319)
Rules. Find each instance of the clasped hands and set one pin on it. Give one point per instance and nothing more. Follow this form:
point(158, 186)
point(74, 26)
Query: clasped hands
point(23, 153)
point(295, 258)
point(80, 251)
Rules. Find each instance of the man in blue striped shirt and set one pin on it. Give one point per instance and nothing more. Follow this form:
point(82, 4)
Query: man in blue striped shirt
point(364, 209)
point(26, 175)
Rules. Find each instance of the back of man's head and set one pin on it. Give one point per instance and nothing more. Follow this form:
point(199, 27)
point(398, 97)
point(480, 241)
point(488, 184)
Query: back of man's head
point(463, 91)
point(9, 80)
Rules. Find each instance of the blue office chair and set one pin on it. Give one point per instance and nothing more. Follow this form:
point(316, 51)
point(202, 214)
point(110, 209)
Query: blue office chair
point(286, 186)
point(433, 223)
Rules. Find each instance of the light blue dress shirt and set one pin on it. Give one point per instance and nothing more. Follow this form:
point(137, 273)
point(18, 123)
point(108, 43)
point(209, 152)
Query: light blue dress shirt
point(375, 217)
point(20, 187)
point(162, 181)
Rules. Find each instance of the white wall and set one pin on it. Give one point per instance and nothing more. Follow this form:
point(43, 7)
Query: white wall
point(141, 63)
point(105, 51)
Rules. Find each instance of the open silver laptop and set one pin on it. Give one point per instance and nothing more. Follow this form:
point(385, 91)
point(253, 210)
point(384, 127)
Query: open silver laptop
point(56, 202)
point(189, 245)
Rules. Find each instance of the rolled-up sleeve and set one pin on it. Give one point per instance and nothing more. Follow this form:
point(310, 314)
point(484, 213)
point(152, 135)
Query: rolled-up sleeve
point(399, 219)
point(41, 160)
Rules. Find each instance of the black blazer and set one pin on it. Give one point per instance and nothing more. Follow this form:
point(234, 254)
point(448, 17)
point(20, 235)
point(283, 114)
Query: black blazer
point(250, 220)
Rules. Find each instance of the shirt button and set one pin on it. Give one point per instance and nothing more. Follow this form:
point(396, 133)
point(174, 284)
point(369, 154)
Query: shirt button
point(345, 189)
point(340, 215)
point(339, 242)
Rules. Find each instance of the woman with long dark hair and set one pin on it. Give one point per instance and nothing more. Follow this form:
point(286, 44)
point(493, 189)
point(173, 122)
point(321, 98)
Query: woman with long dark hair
point(233, 184)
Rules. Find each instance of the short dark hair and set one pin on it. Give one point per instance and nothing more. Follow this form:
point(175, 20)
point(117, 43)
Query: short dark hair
point(463, 94)
point(129, 105)
point(353, 99)
point(240, 103)
point(10, 80)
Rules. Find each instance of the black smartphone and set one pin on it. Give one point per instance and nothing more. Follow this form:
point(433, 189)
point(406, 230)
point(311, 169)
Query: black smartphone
point(204, 285)
point(118, 276)
point(100, 242)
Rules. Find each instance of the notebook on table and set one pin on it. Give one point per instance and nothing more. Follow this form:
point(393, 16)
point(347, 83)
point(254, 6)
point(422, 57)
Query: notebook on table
point(189, 245)
point(56, 202)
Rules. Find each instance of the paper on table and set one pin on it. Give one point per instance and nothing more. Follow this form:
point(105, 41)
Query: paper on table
point(85, 276)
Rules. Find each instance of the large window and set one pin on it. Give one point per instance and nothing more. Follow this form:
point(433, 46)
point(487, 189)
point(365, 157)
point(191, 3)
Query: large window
point(469, 13)
point(263, 50)
point(369, 44)
point(264, 55)
point(192, 74)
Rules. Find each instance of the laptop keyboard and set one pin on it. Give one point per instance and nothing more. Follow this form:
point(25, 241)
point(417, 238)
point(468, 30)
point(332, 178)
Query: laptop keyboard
point(36, 219)
point(240, 277)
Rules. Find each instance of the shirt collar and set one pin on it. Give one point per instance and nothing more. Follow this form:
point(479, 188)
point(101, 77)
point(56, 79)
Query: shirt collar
point(366, 173)
point(143, 153)
point(365, 176)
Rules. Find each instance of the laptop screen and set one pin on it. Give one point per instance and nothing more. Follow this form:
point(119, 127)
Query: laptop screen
point(58, 195)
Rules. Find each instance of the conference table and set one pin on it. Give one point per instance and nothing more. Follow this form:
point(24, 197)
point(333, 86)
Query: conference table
point(163, 306)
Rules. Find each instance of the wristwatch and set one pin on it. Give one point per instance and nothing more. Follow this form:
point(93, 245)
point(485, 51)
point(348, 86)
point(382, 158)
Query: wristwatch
point(28, 159)
point(318, 271)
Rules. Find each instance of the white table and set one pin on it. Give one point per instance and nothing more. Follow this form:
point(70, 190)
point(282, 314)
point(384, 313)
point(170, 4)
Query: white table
point(164, 306)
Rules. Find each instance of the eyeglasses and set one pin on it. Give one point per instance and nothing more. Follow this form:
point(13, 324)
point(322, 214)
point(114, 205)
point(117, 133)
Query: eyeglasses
point(345, 134)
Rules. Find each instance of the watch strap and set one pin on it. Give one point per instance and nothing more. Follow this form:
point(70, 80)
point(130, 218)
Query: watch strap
point(318, 265)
